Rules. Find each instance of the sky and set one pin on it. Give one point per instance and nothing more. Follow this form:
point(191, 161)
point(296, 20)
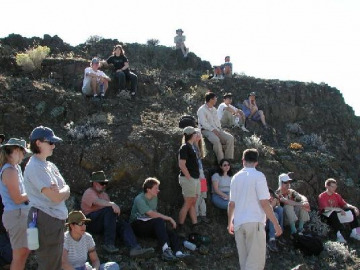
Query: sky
point(306, 40)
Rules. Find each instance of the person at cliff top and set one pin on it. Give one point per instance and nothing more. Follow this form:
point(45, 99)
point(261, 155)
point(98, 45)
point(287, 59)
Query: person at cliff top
point(229, 115)
point(148, 222)
point(78, 244)
point(15, 199)
point(47, 192)
point(210, 126)
point(122, 69)
point(252, 111)
point(95, 81)
point(332, 206)
point(179, 41)
point(296, 206)
point(96, 205)
point(226, 68)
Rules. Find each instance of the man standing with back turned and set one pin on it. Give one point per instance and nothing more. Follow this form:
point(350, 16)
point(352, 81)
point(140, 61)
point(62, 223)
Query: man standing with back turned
point(248, 207)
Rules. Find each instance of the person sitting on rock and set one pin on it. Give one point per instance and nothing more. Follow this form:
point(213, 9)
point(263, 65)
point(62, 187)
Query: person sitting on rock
point(179, 41)
point(95, 81)
point(122, 69)
point(332, 206)
point(78, 244)
point(146, 221)
point(278, 212)
point(252, 111)
point(296, 206)
point(229, 115)
point(226, 68)
point(221, 184)
point(96, 205)
point(210, 126)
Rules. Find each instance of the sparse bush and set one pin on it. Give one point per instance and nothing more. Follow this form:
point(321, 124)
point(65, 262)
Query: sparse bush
point(32, 58)
point(85, 131)
point(153, 42)
point(314, 141)
point(316, 225)
point(253, 142)
point(92, 40)
point(339, 251)
point(295, 128)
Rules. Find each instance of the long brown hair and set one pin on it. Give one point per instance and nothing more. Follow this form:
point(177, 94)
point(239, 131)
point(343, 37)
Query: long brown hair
point(5, 152)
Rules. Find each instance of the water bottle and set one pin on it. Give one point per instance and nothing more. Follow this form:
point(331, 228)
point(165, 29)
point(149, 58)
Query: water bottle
point(189, 245)
point(32, 234)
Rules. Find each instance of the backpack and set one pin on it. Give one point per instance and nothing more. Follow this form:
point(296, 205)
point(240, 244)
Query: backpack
point(309, 244)
point(186, 121)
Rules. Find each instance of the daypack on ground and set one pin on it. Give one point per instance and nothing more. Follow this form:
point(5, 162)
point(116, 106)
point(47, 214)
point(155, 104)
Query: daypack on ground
point(309, 244)
point(186, 121)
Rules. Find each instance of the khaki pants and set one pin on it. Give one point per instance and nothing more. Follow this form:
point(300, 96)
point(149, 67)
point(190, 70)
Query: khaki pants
point(294, 213)
point(225, 141)
point(251, 245)
point(228, 119)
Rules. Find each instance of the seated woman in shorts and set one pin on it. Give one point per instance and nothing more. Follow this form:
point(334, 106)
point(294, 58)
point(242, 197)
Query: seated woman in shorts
point(78, 244)
point(252, 111)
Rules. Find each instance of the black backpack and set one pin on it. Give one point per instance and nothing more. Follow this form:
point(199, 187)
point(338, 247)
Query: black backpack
point(309, 244)
point(186, 121)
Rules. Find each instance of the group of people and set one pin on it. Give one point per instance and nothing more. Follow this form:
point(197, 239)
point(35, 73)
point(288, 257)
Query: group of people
point(96, 82)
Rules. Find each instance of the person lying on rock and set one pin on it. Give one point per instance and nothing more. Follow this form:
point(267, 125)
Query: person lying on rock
point(96, 205)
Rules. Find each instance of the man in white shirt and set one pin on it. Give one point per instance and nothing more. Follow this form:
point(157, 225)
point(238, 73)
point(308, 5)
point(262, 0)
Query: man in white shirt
point(248, 207)
point(210, 126)
point(229, 115)
point(95, 81)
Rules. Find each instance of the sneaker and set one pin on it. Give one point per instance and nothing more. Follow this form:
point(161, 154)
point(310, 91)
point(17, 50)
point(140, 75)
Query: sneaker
point(341, 239)
point(168, 255)
point(138, 251)
point(272, 246)
point(133, 93)
point(110, 248)
point(102, 94)
point(244, 129)
point(355, 236)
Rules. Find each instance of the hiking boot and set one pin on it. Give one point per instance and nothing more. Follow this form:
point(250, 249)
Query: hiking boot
point(243, 128)
point(272, 246)
point(341, 239)
point(110, 248)
point(168, 255)
point(355, 236)
point(138, 251)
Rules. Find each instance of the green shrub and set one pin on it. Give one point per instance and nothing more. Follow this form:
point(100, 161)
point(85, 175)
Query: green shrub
point(32, 58)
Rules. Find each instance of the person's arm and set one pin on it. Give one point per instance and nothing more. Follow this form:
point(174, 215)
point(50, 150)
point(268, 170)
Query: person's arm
point(265, 204)
point(65, 265)
point(231, 208)
point(203, 122)
point(11, 181)
point(56, 195)
point(356, 210)
point(95, 262)
point(105, 203)
point(155, 214)
point(183, 168)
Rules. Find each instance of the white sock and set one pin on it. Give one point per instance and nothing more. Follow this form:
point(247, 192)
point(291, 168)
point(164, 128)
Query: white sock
point(165, 247)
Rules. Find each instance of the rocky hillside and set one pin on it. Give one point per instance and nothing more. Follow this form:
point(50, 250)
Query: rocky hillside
point(131, 139)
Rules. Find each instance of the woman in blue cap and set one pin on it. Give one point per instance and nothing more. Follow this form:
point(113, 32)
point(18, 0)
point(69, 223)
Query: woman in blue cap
point(47, 192)
point(15, 199)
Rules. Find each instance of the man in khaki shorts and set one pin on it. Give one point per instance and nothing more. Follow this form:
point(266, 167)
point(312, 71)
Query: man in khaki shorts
point(188, 178)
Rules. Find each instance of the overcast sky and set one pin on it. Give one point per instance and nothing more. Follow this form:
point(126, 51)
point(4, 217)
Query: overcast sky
point(308, 40)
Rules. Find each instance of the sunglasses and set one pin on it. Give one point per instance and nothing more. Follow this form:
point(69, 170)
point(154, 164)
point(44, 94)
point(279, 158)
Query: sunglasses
point(103, 183)
point(226, 165)
point(287, 182)
point(80, 223)
point(50, 143)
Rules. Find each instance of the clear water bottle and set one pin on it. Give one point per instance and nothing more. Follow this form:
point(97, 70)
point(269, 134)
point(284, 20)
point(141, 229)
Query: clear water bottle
point(189, 245)
point(32, 234)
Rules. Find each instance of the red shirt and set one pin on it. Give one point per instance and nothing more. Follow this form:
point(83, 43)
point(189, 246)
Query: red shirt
point(88, 199)
point(334, 200)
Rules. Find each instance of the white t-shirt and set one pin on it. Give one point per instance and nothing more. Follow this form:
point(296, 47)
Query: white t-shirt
point(78, 250)
point(87, 79)
point(247, 188)
point(222, 106)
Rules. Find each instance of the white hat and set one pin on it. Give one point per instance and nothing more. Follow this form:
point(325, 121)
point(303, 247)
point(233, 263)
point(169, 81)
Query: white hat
point(284, 177)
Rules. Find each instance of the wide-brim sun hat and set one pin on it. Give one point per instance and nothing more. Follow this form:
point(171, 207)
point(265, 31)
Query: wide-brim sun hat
point(98, 177)
point(18, 142)
point(189, 130)
point(44, 133)
point(76, 217)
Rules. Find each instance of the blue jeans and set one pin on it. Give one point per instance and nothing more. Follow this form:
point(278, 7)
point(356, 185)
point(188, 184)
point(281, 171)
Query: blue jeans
point(219, 202)
point(124, 77)
point(5, 249)
point(105, 221)
point(278, 212)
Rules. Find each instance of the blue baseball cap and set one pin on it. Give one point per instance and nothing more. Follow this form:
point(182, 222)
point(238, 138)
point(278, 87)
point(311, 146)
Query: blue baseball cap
point(44, 133)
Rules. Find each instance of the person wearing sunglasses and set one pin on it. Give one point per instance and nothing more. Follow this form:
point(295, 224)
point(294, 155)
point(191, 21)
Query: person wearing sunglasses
point(296, 206)
point(78, 244)
point(47, 192)
point(96, 205)
point(15, 199)
point(221, 184)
